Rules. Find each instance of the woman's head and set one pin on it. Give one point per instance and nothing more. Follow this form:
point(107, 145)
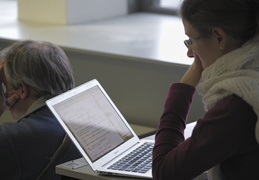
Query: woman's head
point(216, 27)
point(238, 18)
point(40, 65)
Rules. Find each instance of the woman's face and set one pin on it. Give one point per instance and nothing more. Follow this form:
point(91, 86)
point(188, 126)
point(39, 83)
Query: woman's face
point(205, 49)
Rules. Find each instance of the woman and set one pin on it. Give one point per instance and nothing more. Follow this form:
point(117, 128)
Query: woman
point(224, 42)
point(32, 72)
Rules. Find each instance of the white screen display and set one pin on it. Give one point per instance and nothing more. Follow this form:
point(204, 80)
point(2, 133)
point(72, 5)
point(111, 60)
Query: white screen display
point(94, 122)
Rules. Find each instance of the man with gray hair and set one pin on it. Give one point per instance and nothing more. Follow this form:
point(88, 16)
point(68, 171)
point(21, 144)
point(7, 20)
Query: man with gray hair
point(30, 73)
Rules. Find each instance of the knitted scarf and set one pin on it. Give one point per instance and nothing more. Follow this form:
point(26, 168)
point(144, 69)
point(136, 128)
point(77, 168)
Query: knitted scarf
point(237, 72)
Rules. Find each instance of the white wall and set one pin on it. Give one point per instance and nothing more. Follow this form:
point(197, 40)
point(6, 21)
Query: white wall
point(138, 88)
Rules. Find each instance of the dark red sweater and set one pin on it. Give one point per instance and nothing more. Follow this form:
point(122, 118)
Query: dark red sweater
point(225, 136)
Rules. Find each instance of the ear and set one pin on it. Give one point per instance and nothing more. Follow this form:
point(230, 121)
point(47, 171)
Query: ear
point(220, 37)
point(23, 90)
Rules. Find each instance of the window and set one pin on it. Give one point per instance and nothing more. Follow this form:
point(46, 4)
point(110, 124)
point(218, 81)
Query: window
point(171, 4)
point(160, 6)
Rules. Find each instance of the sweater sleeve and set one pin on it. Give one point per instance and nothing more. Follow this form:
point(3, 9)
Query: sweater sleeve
point(211, 141)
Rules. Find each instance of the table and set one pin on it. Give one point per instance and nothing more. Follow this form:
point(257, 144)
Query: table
point(79, 169)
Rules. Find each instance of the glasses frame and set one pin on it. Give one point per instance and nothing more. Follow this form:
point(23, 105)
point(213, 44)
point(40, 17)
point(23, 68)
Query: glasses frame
point(189, 42)
point(3, 93)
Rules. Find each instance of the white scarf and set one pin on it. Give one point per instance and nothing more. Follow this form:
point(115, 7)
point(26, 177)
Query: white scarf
point(237, 73)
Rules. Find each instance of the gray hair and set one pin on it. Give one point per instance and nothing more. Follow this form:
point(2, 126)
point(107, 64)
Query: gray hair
point(39, 64)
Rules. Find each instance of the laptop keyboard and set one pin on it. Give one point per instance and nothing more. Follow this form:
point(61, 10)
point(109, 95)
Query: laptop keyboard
point(139, 160)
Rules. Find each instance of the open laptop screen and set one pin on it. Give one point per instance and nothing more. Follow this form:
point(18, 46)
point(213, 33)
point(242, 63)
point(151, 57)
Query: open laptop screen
point(94, 121)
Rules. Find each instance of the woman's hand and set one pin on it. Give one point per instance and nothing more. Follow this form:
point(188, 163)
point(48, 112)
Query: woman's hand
point(193, 74)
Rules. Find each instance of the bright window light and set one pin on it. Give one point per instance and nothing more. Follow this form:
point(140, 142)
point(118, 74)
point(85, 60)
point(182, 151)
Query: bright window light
point(170, 3)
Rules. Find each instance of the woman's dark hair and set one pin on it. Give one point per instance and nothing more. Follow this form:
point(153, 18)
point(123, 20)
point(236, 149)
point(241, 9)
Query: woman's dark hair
point(238, 18)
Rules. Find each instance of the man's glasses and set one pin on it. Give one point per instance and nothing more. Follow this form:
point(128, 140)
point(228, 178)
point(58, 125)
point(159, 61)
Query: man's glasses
point(3, 90)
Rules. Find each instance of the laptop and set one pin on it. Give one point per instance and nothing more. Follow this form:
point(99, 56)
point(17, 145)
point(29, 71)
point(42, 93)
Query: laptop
point(101, 133)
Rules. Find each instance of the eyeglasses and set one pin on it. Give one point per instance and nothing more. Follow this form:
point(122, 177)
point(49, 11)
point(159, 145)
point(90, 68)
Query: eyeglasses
point(3, 93)
point(188, 43)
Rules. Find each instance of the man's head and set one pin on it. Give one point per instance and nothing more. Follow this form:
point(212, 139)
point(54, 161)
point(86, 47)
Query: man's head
point(35, 69)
